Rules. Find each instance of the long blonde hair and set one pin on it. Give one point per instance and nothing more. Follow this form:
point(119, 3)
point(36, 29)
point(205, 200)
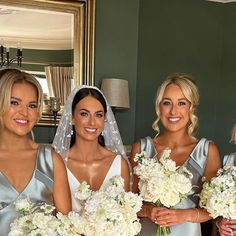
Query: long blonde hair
point(190, 91)
point(8, 77)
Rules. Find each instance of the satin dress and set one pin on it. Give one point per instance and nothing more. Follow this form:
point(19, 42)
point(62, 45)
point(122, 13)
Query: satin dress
point(229, 159)
point(196, 164)
point(38, 189)
point(115, 169)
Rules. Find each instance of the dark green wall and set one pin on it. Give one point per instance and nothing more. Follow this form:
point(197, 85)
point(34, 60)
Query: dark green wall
point(116, 50)
point(195, 37)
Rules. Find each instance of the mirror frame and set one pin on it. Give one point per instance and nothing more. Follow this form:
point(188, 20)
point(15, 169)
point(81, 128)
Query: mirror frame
point(84, 31)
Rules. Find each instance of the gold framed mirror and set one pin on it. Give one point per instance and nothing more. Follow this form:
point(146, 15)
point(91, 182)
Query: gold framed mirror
point(84, 30)
point(83, 37)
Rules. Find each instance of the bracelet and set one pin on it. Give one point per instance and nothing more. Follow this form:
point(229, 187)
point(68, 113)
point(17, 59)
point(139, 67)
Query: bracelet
point(197, 214)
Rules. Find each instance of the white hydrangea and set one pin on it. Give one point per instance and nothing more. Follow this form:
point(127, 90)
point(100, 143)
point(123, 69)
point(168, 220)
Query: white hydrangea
point(218, 196)
point(37, 219)
point(109, 212)
point(162, 182)
point(84, 191)
point(24, 205)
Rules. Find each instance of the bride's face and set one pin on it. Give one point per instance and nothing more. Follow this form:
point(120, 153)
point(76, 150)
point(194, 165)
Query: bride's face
point(88, 118)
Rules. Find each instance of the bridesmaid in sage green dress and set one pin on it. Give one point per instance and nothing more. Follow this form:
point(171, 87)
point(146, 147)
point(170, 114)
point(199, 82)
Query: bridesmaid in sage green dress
point(27, 169)
point(176, 102)
point(226, 227)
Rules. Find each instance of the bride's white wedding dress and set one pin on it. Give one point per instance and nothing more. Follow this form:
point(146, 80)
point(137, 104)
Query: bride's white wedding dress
point(115, 169)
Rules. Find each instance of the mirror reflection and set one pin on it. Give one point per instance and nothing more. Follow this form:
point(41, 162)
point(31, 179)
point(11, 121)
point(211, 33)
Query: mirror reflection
point(54, 39)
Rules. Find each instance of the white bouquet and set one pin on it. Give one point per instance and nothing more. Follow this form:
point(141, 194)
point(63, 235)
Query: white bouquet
point(38, 220)
point(162, 182)
point(218, 196)
point(109, 211)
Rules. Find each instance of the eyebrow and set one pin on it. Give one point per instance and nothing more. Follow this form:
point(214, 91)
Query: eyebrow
point(178, 99)
point(84, 109)
point(20, 100)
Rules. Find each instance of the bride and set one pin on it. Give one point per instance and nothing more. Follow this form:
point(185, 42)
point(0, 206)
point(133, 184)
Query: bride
point(89, 140)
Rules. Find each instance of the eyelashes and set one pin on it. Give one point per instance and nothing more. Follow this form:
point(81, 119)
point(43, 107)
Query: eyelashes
point(31, 105)
point(170, 103)
point(86, 114)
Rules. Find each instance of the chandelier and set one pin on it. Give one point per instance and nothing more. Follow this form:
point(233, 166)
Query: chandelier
point(6, 61)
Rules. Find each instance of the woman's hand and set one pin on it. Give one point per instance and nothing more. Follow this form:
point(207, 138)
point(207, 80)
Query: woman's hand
point(170, 217)
point(163, 216)
point(150, 211)
point(226, 227)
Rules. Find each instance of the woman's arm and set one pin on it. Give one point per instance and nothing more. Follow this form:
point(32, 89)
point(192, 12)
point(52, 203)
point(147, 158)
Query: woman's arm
point(125, 173)
point(213, 163)
point(61, 191)
point(170, 217)
point(136, 148)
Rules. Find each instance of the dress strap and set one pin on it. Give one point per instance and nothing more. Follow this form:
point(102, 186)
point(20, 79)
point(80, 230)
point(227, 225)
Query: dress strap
point(199, 155)
point(44, 167)
point(229, 160)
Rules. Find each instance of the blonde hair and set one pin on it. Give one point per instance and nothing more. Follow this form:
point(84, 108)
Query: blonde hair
point(8, 77)
point(233, 135)
point(190, 91)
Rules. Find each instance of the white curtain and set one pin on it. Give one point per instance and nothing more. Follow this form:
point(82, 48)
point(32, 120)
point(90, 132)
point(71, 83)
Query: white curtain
point(59, 81)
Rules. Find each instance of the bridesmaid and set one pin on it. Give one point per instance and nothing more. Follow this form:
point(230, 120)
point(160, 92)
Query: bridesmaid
point(228, 227)
point(176, 102)
point(27, 169)
point(89, 140)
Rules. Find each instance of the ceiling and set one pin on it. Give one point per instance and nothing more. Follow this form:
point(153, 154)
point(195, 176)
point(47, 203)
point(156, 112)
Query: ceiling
point(35, 29)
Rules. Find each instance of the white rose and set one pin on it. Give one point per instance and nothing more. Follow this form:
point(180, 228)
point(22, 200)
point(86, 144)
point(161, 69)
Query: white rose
point(183, 184)
point(169, 198)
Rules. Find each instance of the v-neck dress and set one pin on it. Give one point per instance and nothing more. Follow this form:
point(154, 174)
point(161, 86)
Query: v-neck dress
point(38, 189)
point(196, 164)
point(115, 169)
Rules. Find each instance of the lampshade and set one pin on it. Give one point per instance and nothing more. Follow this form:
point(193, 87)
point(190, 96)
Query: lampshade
point(116, 92)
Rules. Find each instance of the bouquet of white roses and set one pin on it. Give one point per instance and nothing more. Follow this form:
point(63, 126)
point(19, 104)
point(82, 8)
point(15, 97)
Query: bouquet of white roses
point(162, 182)
point(38, 220)
point(109, 211)
point(218, 196)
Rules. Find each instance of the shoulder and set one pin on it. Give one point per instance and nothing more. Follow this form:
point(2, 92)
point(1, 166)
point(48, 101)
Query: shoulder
point(213, 149)
point(124, 163)
point(140, 145)
point(213, 161)
point(57, 160)
point(45, 154)
point(106, 153)
point(208, 147)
